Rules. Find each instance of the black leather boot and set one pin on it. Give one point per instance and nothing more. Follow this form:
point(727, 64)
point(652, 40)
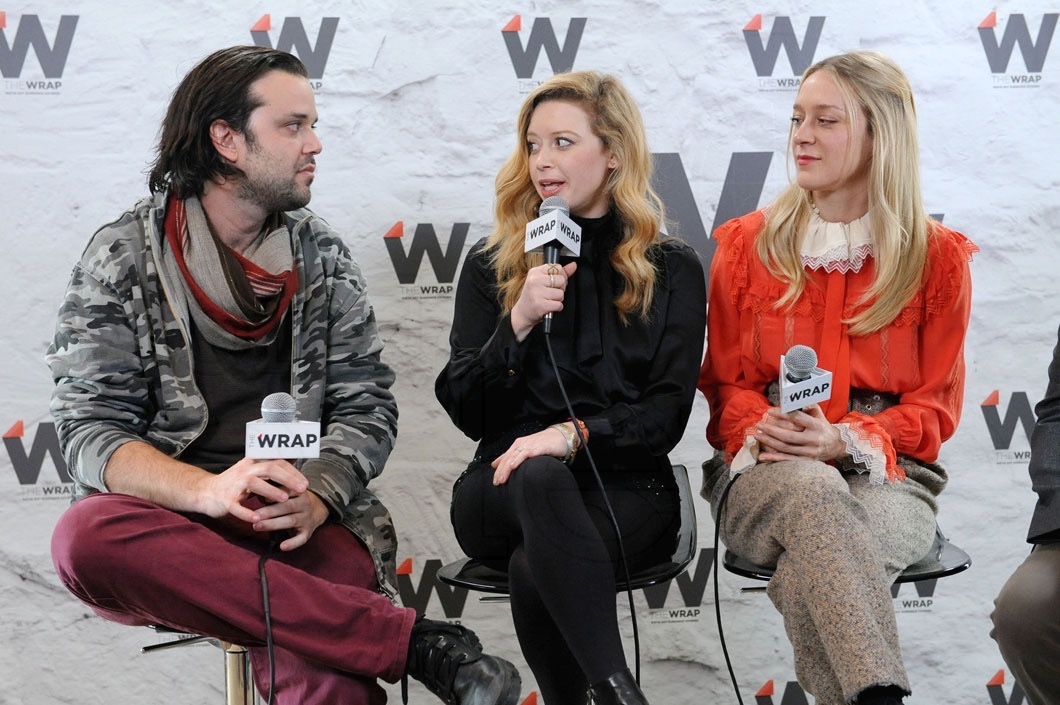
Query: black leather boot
point(619, 689)
point(448, 659)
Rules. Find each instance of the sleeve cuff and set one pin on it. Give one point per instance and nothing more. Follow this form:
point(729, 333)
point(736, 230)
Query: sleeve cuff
point(320, 474)
point(865, 455)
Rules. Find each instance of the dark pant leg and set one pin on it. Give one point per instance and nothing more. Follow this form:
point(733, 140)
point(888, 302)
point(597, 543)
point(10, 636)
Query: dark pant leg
point(558, 519)
point(303, 680)
point(137, 563)
point(560, 679)
point(1026, 621)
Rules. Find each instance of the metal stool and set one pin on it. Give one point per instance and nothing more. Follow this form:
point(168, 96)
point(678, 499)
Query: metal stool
point(239, 685)
point(471, 574)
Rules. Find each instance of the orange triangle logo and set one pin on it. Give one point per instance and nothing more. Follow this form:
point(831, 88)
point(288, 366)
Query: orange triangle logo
point(514, 24)
point(263, 25)
point(766, 691)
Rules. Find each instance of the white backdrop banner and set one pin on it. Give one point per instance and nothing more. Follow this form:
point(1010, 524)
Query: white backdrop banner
point(417, 105)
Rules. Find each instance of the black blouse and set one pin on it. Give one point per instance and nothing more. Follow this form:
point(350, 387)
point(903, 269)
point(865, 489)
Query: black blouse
point(632, 384)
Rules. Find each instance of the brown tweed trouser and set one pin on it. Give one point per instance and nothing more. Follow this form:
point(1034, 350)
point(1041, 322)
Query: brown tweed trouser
point(837, 543)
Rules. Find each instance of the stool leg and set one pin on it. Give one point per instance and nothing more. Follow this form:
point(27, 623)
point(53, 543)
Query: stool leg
point(239, 686)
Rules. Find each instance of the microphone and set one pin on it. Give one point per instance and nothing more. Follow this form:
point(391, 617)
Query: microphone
point(801, 382)
point(553, 233)
point(278, 433)
point(278, 408)
point(800, 362)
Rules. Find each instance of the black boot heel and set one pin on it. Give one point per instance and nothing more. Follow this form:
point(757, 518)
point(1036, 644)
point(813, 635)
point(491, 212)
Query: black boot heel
point(619, 689)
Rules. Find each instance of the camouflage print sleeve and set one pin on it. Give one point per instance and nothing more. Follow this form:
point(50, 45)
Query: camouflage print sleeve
point(99, 398)
point(341, 363)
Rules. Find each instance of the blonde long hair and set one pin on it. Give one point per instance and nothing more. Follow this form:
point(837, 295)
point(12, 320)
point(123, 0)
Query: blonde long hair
point(616, 120)
point(875, 90)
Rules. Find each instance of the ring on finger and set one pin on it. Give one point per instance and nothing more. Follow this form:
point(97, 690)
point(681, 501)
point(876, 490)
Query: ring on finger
point(553, 268)
point(551, 281)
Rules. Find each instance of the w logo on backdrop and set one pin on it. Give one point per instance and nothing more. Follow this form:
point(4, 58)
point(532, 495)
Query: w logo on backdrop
point(407, 264)
point(925, 596)
point(1003, 430)
point(28, 464)
point(996, 691)
point(764, 54)
point(293, 39)
point(691, 585)
point(51, 54)
point(793, 695)
point(670, 181)
point(542, 36)
point(452, 599)
point(1033, 50)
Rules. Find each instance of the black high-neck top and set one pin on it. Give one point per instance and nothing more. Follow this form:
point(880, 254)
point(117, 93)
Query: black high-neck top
point(632, 384)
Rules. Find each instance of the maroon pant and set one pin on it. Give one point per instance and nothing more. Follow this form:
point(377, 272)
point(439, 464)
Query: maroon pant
point(333, 633)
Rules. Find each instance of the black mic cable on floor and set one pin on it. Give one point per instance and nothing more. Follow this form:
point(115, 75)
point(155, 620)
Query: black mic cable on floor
point(717, 596)
point(607, 503)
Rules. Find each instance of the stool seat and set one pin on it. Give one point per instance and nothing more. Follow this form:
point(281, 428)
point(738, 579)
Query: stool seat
point(471, 574)
point(944, 558)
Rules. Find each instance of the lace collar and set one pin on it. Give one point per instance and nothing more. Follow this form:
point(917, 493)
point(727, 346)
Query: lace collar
point(841, 247)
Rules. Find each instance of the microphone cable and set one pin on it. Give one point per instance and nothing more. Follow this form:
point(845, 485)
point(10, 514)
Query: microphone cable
point(273, 540)
point(607, 502)
point(717, 595)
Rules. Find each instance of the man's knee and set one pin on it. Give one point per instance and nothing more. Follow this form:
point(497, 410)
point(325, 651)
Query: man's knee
point(1029, 594)
point(71, 537)
point(83, 541)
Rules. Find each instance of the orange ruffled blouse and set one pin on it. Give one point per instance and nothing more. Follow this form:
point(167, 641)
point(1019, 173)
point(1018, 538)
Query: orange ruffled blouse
point(919, 357)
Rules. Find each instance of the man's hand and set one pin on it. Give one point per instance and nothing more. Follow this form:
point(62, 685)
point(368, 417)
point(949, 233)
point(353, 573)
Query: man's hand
point(300, 515)
point(260, 495)
point(285, 502)
point(271, 480)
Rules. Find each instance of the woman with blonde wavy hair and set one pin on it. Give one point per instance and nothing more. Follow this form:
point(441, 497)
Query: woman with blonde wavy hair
point(627, 333)
point(839, 496)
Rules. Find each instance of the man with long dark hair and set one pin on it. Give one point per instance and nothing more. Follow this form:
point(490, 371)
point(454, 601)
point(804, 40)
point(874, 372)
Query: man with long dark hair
point(180, 317)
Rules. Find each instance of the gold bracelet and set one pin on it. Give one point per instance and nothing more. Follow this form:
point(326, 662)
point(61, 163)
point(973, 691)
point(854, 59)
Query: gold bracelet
point(568, 435)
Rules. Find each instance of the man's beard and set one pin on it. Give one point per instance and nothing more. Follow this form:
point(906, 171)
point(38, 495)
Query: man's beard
point(269, 190)
point(274, 195)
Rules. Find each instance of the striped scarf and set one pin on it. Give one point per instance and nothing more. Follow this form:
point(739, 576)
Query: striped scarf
point(241, 298)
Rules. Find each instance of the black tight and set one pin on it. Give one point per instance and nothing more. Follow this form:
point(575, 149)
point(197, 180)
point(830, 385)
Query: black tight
point(549, 529)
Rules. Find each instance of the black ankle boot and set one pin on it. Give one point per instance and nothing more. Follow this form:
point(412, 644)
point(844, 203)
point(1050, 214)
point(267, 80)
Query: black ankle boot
point(619, 689)
point(881, 695)
point(448, 659)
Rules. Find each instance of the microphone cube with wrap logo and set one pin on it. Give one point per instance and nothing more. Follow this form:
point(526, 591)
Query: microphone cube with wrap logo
point(555, 226)
point(277, 434)
point(812, 390)
point(288, 440)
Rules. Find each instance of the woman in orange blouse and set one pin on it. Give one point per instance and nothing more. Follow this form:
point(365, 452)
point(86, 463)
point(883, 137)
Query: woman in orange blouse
point(838, 496)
